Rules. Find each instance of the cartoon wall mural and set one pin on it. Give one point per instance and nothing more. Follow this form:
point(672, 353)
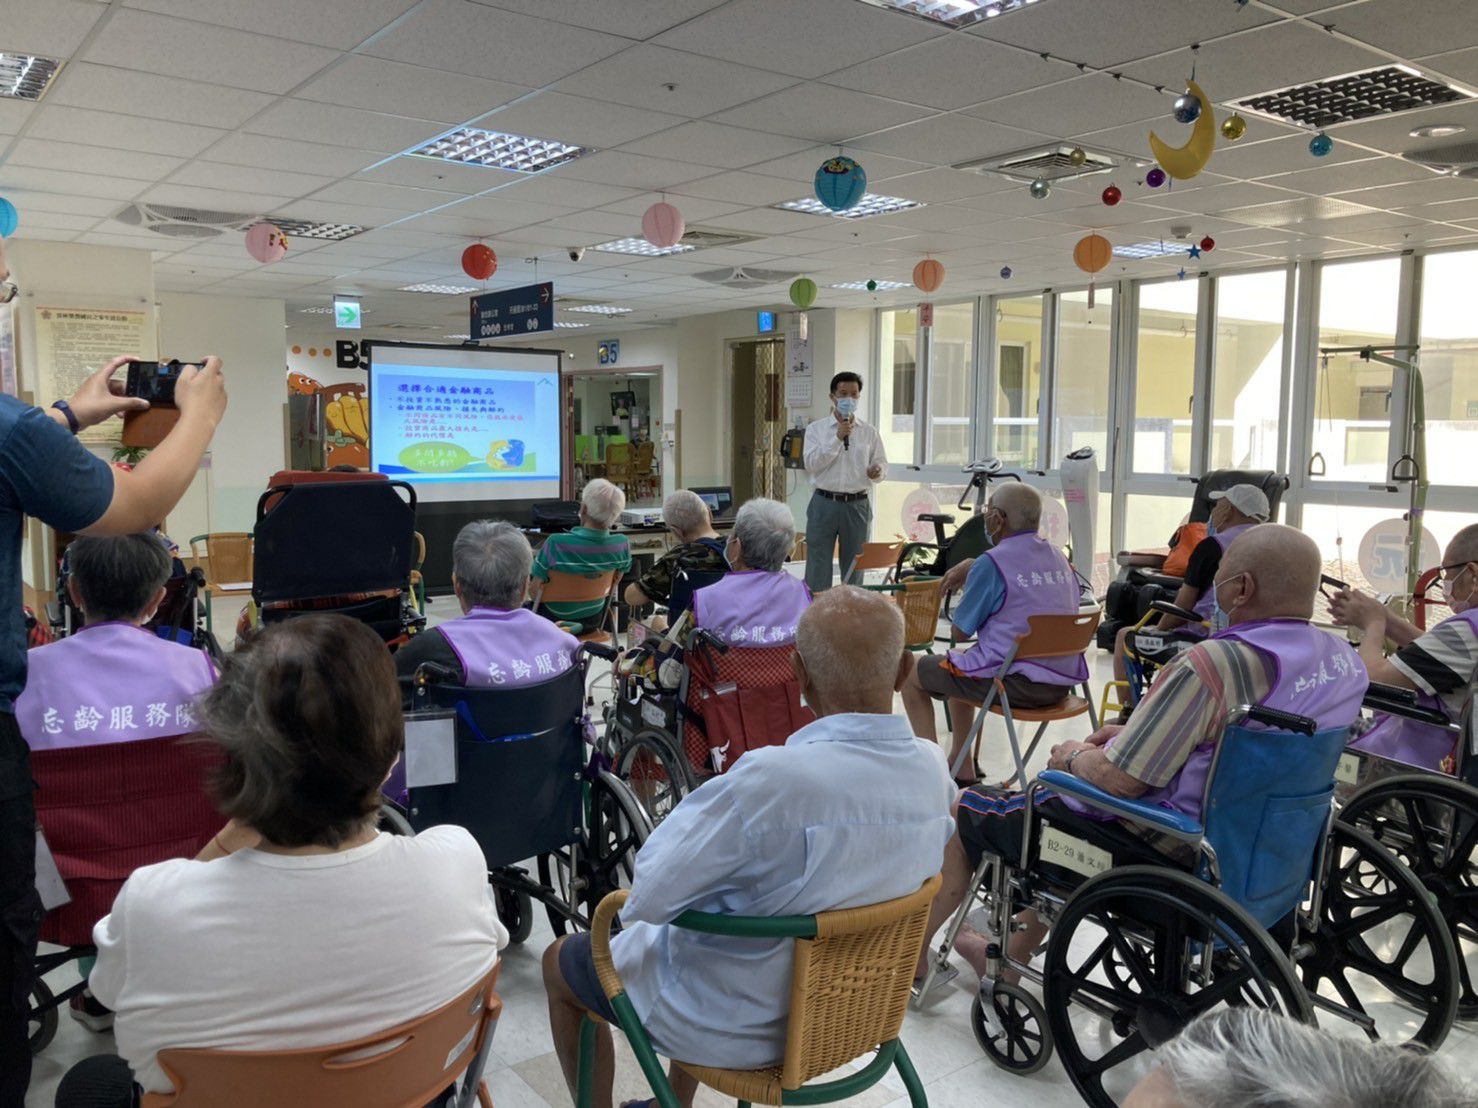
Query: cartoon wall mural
point(344, 406)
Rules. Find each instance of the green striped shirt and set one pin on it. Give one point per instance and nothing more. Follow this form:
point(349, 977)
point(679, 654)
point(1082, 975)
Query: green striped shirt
point(583, 550)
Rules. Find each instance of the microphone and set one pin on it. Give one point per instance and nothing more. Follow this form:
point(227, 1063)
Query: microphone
point(847, 442)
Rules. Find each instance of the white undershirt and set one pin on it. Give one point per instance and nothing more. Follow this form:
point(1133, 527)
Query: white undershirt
point(263, 951)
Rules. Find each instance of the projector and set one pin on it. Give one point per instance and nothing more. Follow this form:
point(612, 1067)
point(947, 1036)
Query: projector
point(641, 517)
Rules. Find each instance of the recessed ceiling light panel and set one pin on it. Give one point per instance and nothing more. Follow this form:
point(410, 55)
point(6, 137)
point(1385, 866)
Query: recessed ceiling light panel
point(877, 286)
point(642, 248)
point(1385, 90)
point(953, 13)
point(442, 290)
point(1150, 250)
point(312, 229)
point(497, 150)
point(26, 76)
point(316, 310)
point(870, 205)
point(600, 309)
point(567, 324)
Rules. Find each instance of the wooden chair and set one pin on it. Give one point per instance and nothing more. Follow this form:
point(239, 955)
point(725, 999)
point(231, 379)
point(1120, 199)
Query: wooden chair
point(1046, 637)
point(850, 988)
point(226, 557)
point(407, 1066)
point(417, 582)
point(581, 588)
point(874, 555)
point(919, 599)
point(644, 464)
point(799, 553)
point(621, 466)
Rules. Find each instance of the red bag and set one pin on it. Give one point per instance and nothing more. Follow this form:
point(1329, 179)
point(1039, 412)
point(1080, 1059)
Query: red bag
point(739, 701)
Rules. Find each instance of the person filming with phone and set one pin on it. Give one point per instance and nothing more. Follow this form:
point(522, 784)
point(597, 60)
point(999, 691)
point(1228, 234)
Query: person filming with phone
point(844, 457)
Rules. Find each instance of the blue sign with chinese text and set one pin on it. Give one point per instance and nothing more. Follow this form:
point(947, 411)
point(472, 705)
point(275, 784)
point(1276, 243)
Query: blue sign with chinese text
point(509, 312)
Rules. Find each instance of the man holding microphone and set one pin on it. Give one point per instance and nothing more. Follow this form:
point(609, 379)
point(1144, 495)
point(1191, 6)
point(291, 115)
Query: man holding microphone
point(845, 458)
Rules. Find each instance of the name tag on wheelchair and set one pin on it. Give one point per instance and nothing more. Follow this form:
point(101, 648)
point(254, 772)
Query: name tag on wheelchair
point(1347, 769)
point(430, 749)
point(653, 713)
point(49, 884)
point(1071, 852)
point(1150, 644)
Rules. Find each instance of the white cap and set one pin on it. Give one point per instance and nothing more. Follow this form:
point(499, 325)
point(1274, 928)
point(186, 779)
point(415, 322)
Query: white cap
point(1247, 499)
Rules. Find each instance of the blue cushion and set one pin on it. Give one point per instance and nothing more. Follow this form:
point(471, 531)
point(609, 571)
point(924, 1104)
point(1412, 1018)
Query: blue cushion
point(1137, 811)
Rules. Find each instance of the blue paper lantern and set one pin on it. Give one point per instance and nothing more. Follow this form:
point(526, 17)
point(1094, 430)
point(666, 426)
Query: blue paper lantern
point(840, 183)
point(9, 218)
point(1320, 145)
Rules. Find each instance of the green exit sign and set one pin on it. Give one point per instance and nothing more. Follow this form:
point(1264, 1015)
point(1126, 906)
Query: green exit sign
point(347, 314)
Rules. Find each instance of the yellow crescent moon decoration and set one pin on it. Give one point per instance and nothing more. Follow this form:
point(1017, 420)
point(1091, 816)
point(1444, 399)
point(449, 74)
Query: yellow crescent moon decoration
point(1184, 162)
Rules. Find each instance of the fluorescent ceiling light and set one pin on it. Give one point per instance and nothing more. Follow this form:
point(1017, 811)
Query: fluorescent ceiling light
point(25, 76)
point(1438, 130)
point(564, 324)
point(642, 248)
point(952, 13)
point(459, 338)
point(600, 309)
point(878, 286)
point(1150, 250)
point(329, 311)
point(871, 204)
point(444, 290)
point(497, 150)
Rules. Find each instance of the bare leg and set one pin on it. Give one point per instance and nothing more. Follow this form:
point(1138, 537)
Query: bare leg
point(971, 945)
point(955, 875)
point(1121, 667)
point(962, 716)
point(920, 708)
point(565, 1016)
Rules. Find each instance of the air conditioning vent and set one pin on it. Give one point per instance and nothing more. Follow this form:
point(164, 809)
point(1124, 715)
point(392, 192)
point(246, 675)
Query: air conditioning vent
point(1456, 157)
point(1289, 213)
point(739, 277)
point(177, 222)
point(1047, 163)
point(1385, 90)
point(703, 238)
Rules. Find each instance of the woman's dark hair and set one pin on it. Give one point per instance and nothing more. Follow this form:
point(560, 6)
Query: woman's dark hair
point(845, 377)
point(118, 575)
point(308, 716)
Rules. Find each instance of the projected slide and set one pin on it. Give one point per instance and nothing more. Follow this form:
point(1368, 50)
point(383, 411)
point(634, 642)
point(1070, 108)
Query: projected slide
point(466, 425)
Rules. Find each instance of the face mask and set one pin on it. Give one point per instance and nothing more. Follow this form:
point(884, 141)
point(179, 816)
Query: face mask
point(1210, 526)
point(846, 406)
point(1447, 591)
point(1220, 619)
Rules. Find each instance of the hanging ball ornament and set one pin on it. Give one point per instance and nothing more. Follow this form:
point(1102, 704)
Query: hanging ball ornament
point(662, 225)
point(1077, 155)
point(872, 286)
point(1233, 127)
point(803, 292)
point(1320, 145)
point(9, 217)
point(1187, 107)
point(1208, 244)
point(840, 183)
point(479, 262)
point(928, 275)
point(1005, 273)
point(1155, 177)
point(1092, 253)
point(1041, 189)
point(1112, 195)
point(266, 243)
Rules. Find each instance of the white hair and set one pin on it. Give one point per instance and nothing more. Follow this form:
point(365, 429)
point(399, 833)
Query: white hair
point(766, 531)
point(1020, 504)
point(603, 503)
point(851, 641)
point(491, 561)
point(1253, 1058)
point(684, 512)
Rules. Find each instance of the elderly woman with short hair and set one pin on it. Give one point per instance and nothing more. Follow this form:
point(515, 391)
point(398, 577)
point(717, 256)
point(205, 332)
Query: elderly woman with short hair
point(587, 549)
point(698, 550)
point(758, 604)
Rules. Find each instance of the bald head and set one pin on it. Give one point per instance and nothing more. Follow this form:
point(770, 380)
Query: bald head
point(849, 651)
point(1279, 570)
point(1463, 547)
point(1020, 504)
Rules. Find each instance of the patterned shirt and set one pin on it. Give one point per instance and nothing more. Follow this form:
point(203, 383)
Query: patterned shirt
point(1443, 663)
point(582, 550)
point(692, 557)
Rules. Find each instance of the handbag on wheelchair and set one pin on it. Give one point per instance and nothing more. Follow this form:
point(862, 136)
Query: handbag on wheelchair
point(740, 699)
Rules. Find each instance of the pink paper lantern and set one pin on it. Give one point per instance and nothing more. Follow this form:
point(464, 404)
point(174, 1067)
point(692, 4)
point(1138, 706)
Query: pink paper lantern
point(266, 243)
point(662, 225)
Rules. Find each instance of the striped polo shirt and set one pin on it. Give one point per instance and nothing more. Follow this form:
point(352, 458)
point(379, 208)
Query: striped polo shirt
point(582, 550)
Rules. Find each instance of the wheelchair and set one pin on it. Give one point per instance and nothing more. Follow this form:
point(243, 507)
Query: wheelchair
point(528, 783)
point(1148, 650)
point(935, 559)
point(1277, 906)
point(1140, 581)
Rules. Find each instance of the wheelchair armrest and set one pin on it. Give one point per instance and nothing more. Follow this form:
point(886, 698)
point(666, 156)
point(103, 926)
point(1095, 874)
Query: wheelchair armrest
point(599, 650)
point(1143, 559)
point(1396, 701)
point(1136, 811)
point(1164, 607)
point(937, 517)
point(1163, 580)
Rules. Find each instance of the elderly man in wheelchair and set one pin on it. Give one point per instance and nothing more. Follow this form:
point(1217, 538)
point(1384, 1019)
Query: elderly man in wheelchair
point(1226, 771)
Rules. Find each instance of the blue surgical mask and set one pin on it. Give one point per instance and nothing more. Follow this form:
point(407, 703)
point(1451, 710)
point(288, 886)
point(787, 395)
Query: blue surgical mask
point(1220, 620)
point(1210, 526)
point(846, 406)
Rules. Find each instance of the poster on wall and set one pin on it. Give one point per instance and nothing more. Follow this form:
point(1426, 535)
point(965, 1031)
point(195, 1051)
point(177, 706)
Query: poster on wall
point(333, 428)
point(71, 343)
point(9, 383)
point(798, 364)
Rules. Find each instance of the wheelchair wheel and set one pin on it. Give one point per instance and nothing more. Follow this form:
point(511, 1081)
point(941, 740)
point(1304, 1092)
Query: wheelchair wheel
point(657, 771)
point(605, 858)
point(515, 912)
point(43, 1016)
point(1024, 1044)
point(1431, 824)
point(1207, 951)
point(393, 820)
point(1378, 927)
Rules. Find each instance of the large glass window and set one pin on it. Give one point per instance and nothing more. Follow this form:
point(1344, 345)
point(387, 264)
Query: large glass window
point(1352, 404)
point(1449, 365)
point(1247, 371)
point(1018, 379)
point(951, 371)
point(1084, 360)
point(897, 376)
point(1164, 377)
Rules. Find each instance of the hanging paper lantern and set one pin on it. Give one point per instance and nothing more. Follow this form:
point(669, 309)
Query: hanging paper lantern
point(1155, 177)
point(840, 183)
point(1208, 244)
point(1187, 107)
point(1040, 189)
point(928, 275)
point(872, 286)
point(1233, 127)
point(1320, 145)
point(1077, 155)
point(1005, 273)
point(1092, 253)
point(479, 262)
point(265, 242)
point(9, 217)
point(1112, 195)
point(662, 225)
point(803, 292)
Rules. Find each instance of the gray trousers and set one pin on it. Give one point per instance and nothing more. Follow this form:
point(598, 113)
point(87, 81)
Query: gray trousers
point(833, 523)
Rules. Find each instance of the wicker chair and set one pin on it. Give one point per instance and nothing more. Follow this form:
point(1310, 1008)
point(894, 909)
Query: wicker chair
point(849, 990)
point(919, 599)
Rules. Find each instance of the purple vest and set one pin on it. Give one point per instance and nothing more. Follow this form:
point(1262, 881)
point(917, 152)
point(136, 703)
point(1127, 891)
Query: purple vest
point(110, 683)
point(1315, 675)
point(1039, 582)
point(508, 647)
point(1409, 740)
point(1206, 603)
point(752, 608)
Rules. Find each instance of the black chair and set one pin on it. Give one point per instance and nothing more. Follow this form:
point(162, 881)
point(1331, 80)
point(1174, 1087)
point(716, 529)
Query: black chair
point(685, 584)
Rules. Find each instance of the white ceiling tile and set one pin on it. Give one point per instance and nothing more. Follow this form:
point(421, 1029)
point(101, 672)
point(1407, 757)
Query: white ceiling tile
point(742, 188)
point(770, 221)
point(202, 52)
point(75, 158)
point(54, 221)
point(940, 186)
point(365, 215)
point(944, 140)
point(398, 197)
point(717, 145)
point(337, 23)
point(21, 177)
point(54, 29)
point(1220, 198)
point(587, 227)
point(275, 182)
point(247, 203)
point(123, 132)
point(952, 72)
point(377, 85)
point(576, 119)
point(1460, 211)
point(1408, 31)
point(635, 19)
point(1324, 181)
point(821, 113)
point(1433, 190)
point(638, 78)
point(1280, 155)
point(612, 167)
point(1457, 65)
point(336, 126)
point(58, 202)
point(801, 168)
point(1391, 134)
point(156, 95)
point(1074, 108)
point(808, 40)
point(496, 210)
point(300, 157)
point(443, 176)
point(488, 42)
point(545, 188)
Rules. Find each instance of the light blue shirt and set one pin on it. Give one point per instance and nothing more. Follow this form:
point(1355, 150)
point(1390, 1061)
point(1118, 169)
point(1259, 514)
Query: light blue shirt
point(981, 598)
point(852, 810)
